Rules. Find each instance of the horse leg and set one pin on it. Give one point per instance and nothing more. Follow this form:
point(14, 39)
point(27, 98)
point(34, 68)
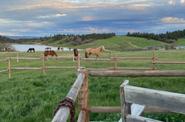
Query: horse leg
point(86, 55)
point(97, 56)
point(45, 57)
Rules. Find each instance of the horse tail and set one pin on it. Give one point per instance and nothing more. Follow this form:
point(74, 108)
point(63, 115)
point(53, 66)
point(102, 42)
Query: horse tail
point(86, 55)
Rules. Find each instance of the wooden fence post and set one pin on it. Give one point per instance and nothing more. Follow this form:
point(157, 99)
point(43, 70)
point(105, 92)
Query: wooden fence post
point(125, 107)
point(115, 63)
point(78, 62)
point(17, 57)
point(153, 60)
point(9, 68)
point(43, 66)
point(84, 99)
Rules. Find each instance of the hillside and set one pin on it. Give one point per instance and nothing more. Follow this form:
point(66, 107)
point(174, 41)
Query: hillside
point(168, 37)
point(122, 43)
point(181, 41)
point(110, 41)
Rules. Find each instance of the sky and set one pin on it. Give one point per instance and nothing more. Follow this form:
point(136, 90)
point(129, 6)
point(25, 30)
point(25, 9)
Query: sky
point(48, 17)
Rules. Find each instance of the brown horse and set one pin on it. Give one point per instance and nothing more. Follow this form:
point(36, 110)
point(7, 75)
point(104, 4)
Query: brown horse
point(49, 53)
point(76, 54)
point(94, 51)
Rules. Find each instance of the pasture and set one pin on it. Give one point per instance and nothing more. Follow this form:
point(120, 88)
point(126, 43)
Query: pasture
point(32, 96)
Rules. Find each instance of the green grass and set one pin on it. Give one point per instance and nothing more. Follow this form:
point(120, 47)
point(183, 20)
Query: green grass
point(30, 96)
point(181, 41)
point(118, 43)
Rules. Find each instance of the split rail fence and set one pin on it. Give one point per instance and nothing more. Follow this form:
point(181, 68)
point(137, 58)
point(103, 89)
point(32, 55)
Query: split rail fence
point(131, 95)
point(42, 68)
point(154, 59)
point(134, 100)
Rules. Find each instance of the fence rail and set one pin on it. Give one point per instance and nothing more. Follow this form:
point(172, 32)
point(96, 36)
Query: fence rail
point(174, 102)
point(43, 66)
point(63, 112)
point(5, 70)
point(137, 73)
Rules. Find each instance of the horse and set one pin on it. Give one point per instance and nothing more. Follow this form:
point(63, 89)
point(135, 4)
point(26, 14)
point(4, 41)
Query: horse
point(49, 53)
point(94, 51)
point(31, 50)
point(76, 54)
point(60, 48)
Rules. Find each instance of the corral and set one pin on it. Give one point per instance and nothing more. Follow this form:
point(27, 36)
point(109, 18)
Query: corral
point(158, 102)
point(99, 96)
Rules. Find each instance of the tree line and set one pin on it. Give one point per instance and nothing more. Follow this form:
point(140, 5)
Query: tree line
point(69, 38)
point(168, 37)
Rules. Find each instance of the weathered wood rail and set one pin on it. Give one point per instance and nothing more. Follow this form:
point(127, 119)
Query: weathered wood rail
point(63, 112)
point(130, 94)
point(153, 59)
point(137, 73)
point(174, 102)
point(43, 66)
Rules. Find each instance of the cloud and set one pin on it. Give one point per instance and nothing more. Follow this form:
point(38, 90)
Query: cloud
point(172, 2)
point(6, 21)
point(88, 18)
point(173, 20)
point(52, 16)
point(85, 30)
point(8, 34)
point(182, 2)
point(26, 24)
point(138, 6)
point(79, 4)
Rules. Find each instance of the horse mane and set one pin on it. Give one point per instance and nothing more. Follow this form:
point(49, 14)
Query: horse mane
point(102, 48)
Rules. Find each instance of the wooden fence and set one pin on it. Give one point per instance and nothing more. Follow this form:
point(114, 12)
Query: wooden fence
point(153, 59)
point(3, 70)
point(137, 73)
point(130, 94)
point(173, 102)
point(63, 111)
point(43, 66)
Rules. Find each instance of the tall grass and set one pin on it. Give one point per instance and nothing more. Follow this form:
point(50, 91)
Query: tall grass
point(30, 96)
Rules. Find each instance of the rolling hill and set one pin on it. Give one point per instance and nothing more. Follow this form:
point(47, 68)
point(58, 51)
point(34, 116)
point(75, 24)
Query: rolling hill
point(181, 41)
point(121, 43)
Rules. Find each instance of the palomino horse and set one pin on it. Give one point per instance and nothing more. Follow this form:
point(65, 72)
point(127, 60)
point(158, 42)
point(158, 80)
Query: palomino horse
point(49, 53)
point(31, 50)
point(94, 51)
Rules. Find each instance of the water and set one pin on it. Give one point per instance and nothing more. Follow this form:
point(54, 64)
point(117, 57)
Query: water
point(25, 47)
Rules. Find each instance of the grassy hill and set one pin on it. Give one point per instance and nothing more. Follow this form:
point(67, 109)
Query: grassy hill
point(119, 43)
point(181, 41)
point(114, 43)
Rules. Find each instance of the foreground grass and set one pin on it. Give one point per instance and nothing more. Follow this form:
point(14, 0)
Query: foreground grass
point(30, 96)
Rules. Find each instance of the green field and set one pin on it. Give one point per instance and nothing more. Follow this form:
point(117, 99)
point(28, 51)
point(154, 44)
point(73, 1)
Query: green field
point(181, 42)
point(114, 43)
point(30, 96)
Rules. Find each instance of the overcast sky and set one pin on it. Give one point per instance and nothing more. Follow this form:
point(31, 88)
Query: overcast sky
point(46, 17)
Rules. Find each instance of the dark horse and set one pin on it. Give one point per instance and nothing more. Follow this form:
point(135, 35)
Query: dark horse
point(76, 54)
point(49, 53)
point(31, 50)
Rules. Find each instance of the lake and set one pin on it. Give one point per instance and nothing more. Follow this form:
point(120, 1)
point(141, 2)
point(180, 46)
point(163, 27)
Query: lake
point(25, 47)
